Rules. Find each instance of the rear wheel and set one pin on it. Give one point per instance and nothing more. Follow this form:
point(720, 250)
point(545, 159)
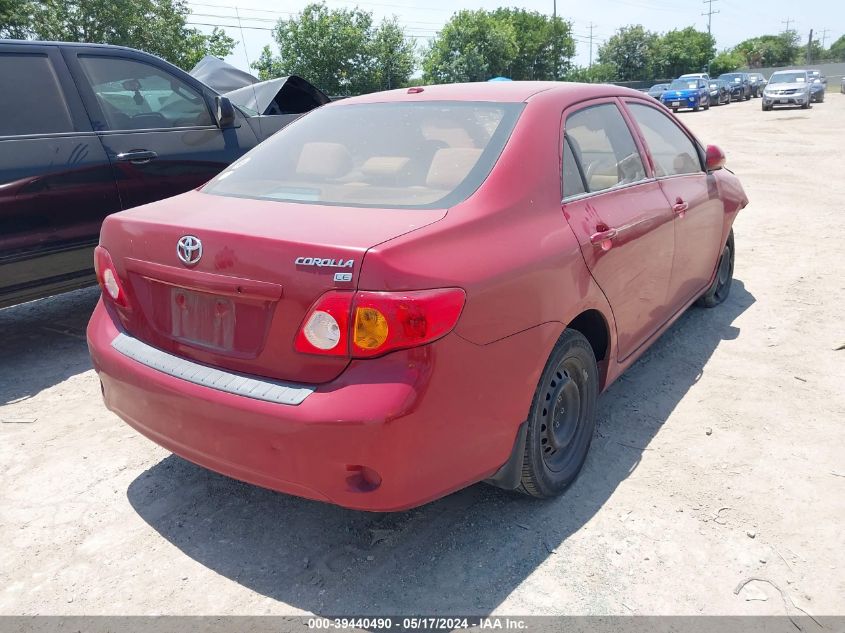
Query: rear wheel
point(562, 418)
point(721, 286)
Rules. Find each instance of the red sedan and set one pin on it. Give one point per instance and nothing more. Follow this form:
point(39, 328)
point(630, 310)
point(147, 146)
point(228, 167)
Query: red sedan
point(405, 293)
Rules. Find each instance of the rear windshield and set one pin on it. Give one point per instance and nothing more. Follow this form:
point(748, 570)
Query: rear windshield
point(397, 155)
point(731, 77)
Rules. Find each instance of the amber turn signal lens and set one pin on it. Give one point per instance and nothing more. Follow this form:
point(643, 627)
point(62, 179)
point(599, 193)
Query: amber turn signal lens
point(370, 328)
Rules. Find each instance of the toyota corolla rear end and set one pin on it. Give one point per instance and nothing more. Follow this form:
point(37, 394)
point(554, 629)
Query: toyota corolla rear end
point(234, 330)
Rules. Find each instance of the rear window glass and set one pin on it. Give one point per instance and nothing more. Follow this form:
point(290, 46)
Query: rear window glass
point(31, 100)
point(398, 155)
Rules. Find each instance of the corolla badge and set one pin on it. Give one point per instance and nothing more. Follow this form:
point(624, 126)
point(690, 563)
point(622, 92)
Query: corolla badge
point(189, 249)
point(324, 262)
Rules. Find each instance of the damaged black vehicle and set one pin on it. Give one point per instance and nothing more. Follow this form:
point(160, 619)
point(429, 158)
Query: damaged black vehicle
point(93, 129)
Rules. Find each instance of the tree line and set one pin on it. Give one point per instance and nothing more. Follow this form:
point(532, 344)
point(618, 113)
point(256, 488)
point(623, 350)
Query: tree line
point(155, 26)
point(344, 51)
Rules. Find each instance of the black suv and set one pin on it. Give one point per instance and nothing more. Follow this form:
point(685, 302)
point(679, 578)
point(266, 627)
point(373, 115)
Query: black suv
point(87, 130)
point(740, 85)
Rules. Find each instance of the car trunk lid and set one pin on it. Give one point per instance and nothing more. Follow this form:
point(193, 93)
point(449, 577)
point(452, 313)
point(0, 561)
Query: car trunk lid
point(262, 266)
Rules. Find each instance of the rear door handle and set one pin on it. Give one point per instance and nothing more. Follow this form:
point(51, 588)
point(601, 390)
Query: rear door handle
point(603, 236)
point(137, 156)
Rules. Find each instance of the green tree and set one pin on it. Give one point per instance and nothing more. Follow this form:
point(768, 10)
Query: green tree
point(726, 61)
point(816, 53)
point(544, 47)
point(339, 50)
point(15, 18)
point(509, 42)
point(682, 51)
point(471, 46)
point(154, 26)
point(631, 52)
point(837, 50)
point(595, 74)
point(393, 54)
point(770, 50)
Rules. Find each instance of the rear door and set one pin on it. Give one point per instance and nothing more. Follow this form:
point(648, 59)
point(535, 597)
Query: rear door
point(155, 123)
point(692, 193)
point(56, 184)
point(621, 219)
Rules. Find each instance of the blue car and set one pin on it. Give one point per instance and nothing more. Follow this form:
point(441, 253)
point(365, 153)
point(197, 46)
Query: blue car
point(692, 93)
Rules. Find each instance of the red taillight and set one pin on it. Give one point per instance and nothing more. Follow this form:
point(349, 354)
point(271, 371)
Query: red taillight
point(108, 278)
point(367, 324)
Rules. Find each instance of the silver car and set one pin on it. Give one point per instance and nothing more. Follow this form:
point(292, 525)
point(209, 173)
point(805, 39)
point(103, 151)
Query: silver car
point(787, 87)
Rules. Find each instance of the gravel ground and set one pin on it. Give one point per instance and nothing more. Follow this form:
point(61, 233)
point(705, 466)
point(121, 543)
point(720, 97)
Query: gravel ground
point(719, 456)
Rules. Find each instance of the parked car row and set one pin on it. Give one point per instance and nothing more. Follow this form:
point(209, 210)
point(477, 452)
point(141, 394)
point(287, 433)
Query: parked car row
point(696, 91)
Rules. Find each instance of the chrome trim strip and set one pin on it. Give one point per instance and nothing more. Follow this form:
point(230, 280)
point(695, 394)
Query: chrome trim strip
point(264, 389)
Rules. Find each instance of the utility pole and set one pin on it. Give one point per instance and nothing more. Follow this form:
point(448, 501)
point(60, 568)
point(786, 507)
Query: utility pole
point(810, 48)
point(554, 35)
point(592, 26)
point(824, 36)
point(787, 22)
point(709, 13)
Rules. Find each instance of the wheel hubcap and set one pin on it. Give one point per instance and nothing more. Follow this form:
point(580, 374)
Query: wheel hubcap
point(725, 266)
point(561, 417)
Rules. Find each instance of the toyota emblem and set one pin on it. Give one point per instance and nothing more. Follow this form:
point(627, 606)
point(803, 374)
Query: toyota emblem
point(189, 249)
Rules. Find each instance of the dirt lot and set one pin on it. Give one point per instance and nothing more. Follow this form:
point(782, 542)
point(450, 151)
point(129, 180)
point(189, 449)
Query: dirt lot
point(719, 456)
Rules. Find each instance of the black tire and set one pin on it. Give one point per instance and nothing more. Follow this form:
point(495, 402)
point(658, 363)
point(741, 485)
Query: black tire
point(765, 109)
point(806, 106)
point(675, 110)
point(748, 97)
point(558, 436)
point(695, 109)
point(707, 107)
point(721, 286)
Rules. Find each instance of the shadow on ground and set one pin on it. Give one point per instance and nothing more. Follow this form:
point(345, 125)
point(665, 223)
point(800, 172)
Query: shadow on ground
point(42, 343)
point(455, 555)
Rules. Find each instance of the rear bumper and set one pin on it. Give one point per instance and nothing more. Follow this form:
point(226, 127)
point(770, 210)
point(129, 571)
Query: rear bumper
point(428, 421)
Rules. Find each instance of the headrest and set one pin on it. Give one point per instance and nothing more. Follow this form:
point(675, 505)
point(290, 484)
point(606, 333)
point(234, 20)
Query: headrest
point(450, 166)
point(324, 160)
point(383, 166)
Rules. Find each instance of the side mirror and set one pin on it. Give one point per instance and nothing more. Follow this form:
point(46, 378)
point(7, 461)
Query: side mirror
point(714, 158)
point(224, 112)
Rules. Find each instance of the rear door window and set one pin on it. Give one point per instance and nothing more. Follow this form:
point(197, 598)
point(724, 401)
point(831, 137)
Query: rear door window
point(603, 146)
point(672, 151)
point(134, 95)
point(573, 180)
point(31, 99)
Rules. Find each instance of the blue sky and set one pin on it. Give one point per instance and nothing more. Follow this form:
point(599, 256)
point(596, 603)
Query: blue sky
point(737, 19)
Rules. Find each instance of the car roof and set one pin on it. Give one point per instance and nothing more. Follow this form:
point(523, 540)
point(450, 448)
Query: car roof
point(69, 44)
point(495, 91)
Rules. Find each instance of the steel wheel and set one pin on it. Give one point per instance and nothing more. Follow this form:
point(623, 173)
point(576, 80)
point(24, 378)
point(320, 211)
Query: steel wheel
point(562, 418)
point(721, 286)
